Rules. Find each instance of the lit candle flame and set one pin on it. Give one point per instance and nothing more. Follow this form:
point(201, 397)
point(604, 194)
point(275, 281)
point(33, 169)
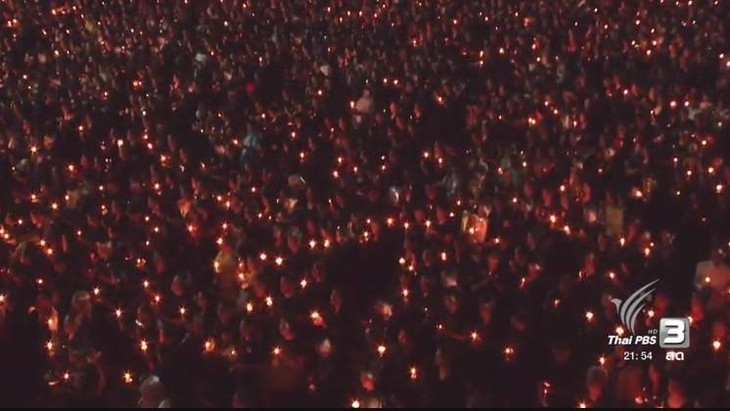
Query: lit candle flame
point(381, 350)
point(127, 376)
point(589, 316)
point(355, 404)
point(413, 373)
point(118, 313)
point(209, 345)
point(620, 331)
point(269, 301)
point(277, 351)
point(716, 345)
point(143, 345)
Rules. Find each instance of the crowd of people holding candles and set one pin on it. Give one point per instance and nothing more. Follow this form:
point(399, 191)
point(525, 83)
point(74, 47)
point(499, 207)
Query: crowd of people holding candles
point(350, 203)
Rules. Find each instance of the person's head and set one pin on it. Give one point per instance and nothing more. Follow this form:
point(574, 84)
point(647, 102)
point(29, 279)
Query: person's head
point(177, 286)
point(367, 381)
point(675, 389)
point(561, 352)
point(241, 399)
point(336, 298)
point(285, 329)
point(151, 392)
point(486, 308)
point(596, 382)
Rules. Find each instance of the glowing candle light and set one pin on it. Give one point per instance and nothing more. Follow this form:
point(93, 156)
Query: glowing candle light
point(143, 346)
point(620, 331)
point(602, 360)
point(413, 372)
point(381, 350)
point(127, 377)
point(49, 346)
point(589, 316)
point(582, 404)
point(209, 345)
point(405, 293)
point(312, 244)
point(157, 298)
point(182, 310)
point(279, 261)
point(474, 336)
point(118, 313)
point(355, 404)
point(650, 313)
point(509, 351)
point(303, 283)
point(553, 219)
point(443, 256)
point(315, 316)
point(556, 303)
point(263, 256)
point(97, 291)
point(269, 301)
point(716, 345)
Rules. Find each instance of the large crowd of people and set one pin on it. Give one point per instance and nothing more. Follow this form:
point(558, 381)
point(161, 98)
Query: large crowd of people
point(361, 203)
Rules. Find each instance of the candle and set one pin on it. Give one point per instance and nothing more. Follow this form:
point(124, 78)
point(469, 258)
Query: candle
point(508, 352)
point(143, 346)
point(602, 360)
point(381, 350)
point(620, 331)
point(355, 404)
point(182, 311)
point(279, 261)
point(582, 404)
point(118, 313)
point(127, 377)
point(474, 336)
point(589, 316)
point(209, 345)
point(276, 351)
point(716, 345)
point(269, 301)
point(413, 373)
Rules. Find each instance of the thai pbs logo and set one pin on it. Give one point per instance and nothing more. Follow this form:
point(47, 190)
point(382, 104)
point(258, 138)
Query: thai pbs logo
point(673, 333)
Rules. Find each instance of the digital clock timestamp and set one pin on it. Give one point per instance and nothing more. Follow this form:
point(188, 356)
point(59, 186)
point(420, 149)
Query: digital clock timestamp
point(638, 355)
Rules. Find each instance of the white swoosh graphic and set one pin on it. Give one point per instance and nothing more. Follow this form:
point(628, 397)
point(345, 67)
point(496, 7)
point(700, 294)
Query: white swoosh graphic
point(632, 306)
